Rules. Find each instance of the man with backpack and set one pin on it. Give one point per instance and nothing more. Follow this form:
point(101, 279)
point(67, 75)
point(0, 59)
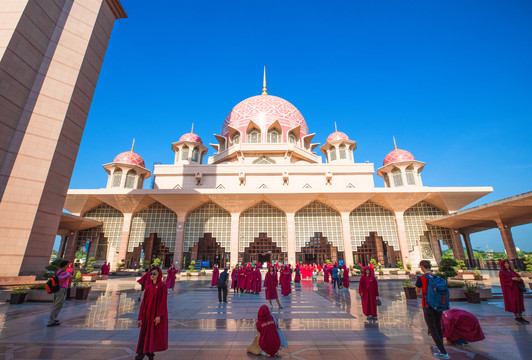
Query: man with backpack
point(222, 285)
point(435, 300)
point(59, 295)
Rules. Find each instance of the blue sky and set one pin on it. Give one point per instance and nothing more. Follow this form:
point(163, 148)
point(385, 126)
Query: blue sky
point(451, 80)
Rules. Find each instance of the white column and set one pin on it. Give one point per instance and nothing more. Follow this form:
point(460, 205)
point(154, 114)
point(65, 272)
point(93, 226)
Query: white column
point(235, 218)
point(179, 240)
point(346, 235)
point(291, 237)
point(403, 241)
point(116, 255)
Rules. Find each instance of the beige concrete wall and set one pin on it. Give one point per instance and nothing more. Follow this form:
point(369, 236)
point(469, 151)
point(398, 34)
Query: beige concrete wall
point(64, 44)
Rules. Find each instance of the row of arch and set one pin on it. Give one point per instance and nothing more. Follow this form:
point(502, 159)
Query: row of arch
point(395, 177)
point(130, 179)
point(265, 218)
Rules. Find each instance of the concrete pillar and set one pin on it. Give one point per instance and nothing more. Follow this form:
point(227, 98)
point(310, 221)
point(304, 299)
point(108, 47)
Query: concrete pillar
point(118, 254)
point(436, 248)
point(401, 236)
point(507, 239)
point(469, 249)
point(70, 250)
point(235, 220)
point(179, 241)
point(458, 248)
point(346, 235)
point(291, 237)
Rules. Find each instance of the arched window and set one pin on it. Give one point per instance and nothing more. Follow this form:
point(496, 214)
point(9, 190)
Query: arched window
point(292, 139)
point(176, 155)
point(397, 178)
point(386, 180)
point(235, 139)
point(184, 152)
point(254, 136)
point(195, 154)
point(130, 179)
point(117, 178)
point(141, 181)
point(332, 154)
point(343, 155)
point(410, 177)
point(274, 136)
point(350, 152)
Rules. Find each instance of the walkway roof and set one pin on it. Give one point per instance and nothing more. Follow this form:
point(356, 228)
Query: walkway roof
point(72, 222)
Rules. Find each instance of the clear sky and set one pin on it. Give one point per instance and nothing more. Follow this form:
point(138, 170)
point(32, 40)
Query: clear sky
point(451, 80)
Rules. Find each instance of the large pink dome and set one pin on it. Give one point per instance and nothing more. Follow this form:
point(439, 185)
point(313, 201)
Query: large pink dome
point(397, 155)
point(130, 158)
point(264, 110)
point(337, 135)
point(191, 137)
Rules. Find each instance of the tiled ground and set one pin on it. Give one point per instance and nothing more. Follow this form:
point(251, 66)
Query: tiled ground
point(319, 323)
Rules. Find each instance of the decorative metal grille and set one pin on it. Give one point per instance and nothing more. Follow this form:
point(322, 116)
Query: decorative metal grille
point(156, 218)
point(372, 217)
point(208, 218)
point(262, 218)
point(415, 225)
point(318, 218)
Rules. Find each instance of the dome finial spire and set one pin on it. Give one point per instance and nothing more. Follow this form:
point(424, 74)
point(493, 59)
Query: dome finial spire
point(335, 129)
point(192, 130)
point(264, 90)
point(394, 144)
point(133, 145)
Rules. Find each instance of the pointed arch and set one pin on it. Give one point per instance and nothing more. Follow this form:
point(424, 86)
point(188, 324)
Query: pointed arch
point(253, 133)
point(155, 218)
point(207, 218)
point(317, 217)
point(371, 217)
point(262, 218)
point(416, 227)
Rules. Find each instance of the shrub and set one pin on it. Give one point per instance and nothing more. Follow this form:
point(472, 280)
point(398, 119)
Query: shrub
point(455, 285)
point(460, 265)
point(407, 284)
point(471, 286)
point(478, 272)
point(157, 262)
point(409, 266)
point(90, 265)
point(38, 286)
point(447, 268)
point(374, 262)
point(400, 264)
point(20, 290)
point(528, 262)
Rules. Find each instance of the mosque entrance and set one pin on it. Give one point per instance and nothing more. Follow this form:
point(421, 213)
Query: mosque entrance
point(207, 249)
point(376, 248)
point(153, 248)
point(317, 251)
point(263, 249)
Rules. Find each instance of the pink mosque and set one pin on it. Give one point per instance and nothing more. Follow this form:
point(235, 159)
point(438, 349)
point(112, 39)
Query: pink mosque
point(266, 195)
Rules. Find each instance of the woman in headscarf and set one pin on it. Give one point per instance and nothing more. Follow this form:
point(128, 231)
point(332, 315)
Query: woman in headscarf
point(297, 277)
point(346, 277)
point(326, 273)
point(460, 327)
point(513, 297)
point(270, 287)
point(153, 317)
point(257, 281)
point(250, 275)
point(369, 291)
point(234, 279)
point(170, 278)
point(269, 340)
point(215, 275)
point(286, 289)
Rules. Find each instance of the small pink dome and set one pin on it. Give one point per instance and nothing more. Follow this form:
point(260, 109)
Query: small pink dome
point(191, 137)
point(337, 135)
point(130, 158)
point(397, 155)
point(264, 110)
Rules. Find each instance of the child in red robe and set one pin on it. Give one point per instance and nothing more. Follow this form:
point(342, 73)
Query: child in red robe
point(215, 275)
point(269, 340)
point(153, 317)
point(270, 286)
point(513, 297)
point(369, 291)
point(346, 277)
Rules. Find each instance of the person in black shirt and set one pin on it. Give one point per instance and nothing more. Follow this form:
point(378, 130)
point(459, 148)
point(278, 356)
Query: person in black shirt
point(222, 285)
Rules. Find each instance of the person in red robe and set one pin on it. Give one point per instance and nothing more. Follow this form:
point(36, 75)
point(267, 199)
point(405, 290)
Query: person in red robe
point(297, 277)
point(460, 327)
point(270, 286)
point(346, 277)
point(242, 278)
point(286, 289)
point(234, 279)
point(325, 273)
point(153, 317)
point(269, 340)
point(249, 278)
point(257, 283)
point(102, 269)
point(215, 275)
point(369, 291)
point(170, 278)
point(513, 297)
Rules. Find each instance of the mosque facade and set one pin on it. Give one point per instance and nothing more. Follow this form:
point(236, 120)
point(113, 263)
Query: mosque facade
point(269, 193)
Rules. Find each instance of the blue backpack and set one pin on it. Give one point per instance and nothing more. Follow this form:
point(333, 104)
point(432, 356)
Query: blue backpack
point(437, 293)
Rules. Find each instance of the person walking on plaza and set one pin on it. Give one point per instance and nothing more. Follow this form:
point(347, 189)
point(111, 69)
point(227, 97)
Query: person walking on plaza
point(234, 279)
point(60, 296)
point(223, 280)
point(513, 297)
point(432, 316)
point(257, 283)
point(215, 275)
point(369, 291)
point(325, 273)
point(153, 317)
point(170, 278)
point(242, 279)
point(286, 288)
point(335, 276)
point(270, 287)
point(297, 277)
point(346, 277)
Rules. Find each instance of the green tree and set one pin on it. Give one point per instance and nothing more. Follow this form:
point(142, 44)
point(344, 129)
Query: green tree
point(157, 262)
point(528, 262)
point(447, 268)
point(90, 265)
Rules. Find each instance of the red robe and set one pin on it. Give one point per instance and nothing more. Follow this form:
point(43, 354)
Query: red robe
point(215, 276)
point(257, 281)
point(102, 270)
point(346, 277)
point(242, 279)
point(234, 275)
point(460, 324)
point(368, 290)
point(144, 279)
point(286, 289)
point(269, 340)
point(270, 284)
point(153, 338)
point(513, 297)
point(297, 278)
point(170, 277)
point(249, 278)
point(325, 273)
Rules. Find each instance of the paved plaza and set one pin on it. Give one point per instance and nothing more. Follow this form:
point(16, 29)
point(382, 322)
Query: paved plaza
point(319, 323)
